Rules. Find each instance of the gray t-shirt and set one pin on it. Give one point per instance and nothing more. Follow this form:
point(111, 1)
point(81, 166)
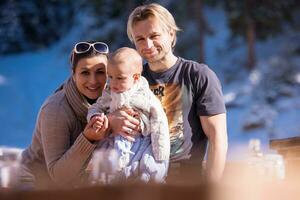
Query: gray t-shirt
point(187, 90)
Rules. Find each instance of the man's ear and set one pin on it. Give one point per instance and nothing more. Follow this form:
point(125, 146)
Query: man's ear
point(136, 77)
point(172, 33)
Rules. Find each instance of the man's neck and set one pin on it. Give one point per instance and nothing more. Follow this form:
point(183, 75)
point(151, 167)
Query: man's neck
point(162, 65)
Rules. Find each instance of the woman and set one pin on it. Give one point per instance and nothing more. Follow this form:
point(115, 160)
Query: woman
point(63, 142)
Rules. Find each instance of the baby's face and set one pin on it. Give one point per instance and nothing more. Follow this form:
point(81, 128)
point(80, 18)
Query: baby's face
point(121, 77)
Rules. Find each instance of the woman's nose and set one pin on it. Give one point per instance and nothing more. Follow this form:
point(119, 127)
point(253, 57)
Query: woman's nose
point(93, 79)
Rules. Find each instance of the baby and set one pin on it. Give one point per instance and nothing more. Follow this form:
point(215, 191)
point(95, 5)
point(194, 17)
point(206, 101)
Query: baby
point(147, 158)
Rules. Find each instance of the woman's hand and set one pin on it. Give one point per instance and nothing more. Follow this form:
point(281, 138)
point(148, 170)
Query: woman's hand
point(93, 132)
point(121, 122)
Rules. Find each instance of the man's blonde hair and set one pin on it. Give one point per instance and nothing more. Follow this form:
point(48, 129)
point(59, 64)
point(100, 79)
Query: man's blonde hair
point(157, 11)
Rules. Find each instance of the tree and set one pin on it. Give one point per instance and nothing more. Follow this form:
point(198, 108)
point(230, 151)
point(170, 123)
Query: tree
point(259, 20)
point(113, 15)
point(33, 24)
point(193, 11)
point(202, 26)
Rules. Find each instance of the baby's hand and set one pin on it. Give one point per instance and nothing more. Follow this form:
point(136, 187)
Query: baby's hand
point(99, 121)
point(96, 129)
point(99, 117)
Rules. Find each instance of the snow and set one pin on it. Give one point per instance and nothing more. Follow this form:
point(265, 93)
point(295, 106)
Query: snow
point(297, 78)
point(2, 80)
point(26, 79)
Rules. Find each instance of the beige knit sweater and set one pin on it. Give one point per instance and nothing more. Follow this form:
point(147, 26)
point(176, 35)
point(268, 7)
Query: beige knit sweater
point(59, 152)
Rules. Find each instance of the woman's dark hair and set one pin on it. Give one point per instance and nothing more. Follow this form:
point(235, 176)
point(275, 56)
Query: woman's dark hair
point(75, 57)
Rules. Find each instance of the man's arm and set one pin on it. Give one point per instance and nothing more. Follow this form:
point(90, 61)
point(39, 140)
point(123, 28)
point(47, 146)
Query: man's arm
point(215, 129)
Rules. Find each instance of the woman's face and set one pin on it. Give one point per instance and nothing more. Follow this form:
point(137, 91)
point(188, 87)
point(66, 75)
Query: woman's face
point(90, 76)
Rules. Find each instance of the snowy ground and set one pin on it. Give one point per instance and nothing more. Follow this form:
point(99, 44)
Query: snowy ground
point(27, 79)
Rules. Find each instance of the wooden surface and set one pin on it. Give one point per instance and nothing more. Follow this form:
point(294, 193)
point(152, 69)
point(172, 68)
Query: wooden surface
point(237, 185)
point(121, 192)
point(235, 191)
point(285, 143)
point(289, 148)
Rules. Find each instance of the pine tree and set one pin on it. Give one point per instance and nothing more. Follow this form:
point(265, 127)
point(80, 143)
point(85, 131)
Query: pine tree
point(116, 12)
point(202, 24)
point(33, 24)
point(258, 20)
point(192, 11)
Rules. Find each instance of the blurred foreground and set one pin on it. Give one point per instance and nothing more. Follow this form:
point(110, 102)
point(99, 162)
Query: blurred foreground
point(259, 177)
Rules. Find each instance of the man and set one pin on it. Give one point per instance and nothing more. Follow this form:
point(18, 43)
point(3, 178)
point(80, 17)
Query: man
point(189, 92)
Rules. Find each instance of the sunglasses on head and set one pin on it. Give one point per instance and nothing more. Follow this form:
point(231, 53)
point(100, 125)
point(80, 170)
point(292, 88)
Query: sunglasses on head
point(83, 47)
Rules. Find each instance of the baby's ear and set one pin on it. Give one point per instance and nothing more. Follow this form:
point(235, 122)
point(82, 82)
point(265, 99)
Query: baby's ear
point(136, 77)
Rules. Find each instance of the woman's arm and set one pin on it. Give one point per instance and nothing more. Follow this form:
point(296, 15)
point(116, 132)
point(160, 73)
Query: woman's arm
point(65, 161)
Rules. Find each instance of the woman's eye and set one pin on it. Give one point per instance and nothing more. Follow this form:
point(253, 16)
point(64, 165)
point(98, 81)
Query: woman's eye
point(100, 72)
point(85, 73)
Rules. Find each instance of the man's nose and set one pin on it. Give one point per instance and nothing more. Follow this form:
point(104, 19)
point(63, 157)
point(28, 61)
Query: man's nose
point(149, 43)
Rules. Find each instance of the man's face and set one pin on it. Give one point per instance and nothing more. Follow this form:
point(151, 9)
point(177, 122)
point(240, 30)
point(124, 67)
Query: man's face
point(152, 40)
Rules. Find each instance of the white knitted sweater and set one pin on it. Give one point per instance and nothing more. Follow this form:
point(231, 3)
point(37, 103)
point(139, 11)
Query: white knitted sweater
point(141, 99)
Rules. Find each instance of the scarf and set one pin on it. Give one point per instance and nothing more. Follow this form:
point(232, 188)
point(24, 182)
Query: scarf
point(77, 101)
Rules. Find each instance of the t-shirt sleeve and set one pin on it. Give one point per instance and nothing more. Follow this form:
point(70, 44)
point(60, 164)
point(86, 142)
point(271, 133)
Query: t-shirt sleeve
point(208, 94)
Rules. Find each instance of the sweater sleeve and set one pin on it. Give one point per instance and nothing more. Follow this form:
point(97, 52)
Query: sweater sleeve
point(159, 130)
point(65, 162)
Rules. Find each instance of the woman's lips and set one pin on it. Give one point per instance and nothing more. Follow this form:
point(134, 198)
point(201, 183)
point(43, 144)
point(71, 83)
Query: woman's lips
point(93, 89)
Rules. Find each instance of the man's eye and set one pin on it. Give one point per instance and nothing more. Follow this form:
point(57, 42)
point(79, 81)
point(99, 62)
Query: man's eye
point(154, 36)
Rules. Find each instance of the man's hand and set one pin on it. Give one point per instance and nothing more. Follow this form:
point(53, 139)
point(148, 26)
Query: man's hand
point(122, 122)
